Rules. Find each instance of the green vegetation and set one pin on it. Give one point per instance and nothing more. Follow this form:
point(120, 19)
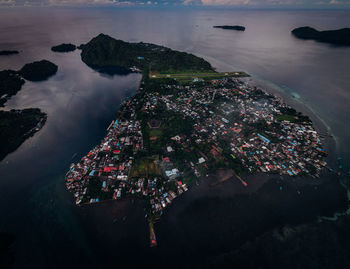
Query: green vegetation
point(10, 84)
point(38, 71)
point(290, 114)
point(145, 167)
point(63, 48)
point(196, 76)
point(16, 126)
point(286, 117)
point(104, 51)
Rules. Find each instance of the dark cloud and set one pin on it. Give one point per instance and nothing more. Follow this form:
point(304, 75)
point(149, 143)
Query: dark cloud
point(246, 3)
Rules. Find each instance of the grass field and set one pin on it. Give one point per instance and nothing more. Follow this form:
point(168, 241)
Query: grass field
point(286, 117)
point(189, 76)
point(145, 168)
point(155, 132)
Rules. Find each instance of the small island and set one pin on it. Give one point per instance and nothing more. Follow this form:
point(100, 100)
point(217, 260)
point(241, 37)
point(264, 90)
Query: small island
point(336, 37)
point(231, 27)
point(16, 126)
point(38, 71)
point(64, 48)
point(10, 84)
point(8, 52)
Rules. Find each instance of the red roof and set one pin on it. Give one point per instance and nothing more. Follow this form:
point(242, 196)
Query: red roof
point(109, 169)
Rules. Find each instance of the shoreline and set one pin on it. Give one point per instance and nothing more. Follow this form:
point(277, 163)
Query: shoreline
point(329, 140)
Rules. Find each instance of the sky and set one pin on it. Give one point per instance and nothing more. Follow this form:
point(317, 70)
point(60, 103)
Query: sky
point(202, 3)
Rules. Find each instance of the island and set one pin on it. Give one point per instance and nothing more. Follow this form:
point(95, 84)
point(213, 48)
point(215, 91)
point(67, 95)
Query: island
point(10, 84)
point(16, 126)
point(8, 52)
point(64, 48)
point(229, 27)
point(336, 37)
point(38, 71)
point(187, 121)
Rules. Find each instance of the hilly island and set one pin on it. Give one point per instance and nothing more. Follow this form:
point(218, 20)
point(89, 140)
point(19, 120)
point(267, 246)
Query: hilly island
point(336, 37)
point(187, 121)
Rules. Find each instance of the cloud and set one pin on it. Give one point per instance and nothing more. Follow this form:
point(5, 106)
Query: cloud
point(208, 3)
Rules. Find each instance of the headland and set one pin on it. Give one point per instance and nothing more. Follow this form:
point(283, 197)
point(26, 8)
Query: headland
point(187, 121)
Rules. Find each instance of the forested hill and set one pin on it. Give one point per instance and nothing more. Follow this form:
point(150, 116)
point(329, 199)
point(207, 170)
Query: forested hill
point(336, 37)
point(104, 51)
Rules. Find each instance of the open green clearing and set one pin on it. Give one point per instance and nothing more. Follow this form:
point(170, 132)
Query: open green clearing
point(145, 167)
point(190, 76)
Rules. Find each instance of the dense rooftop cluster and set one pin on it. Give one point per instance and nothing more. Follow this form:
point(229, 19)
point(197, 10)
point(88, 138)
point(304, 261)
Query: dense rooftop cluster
point(259, 129)
point(170, 133)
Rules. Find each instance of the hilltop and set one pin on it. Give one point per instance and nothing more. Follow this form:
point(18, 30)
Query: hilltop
point(104, 51)
point(38, 71)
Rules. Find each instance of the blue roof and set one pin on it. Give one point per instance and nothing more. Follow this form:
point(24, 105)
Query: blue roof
point(263, 138)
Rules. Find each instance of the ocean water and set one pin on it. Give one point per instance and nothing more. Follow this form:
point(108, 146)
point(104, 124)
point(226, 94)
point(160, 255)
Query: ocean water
point(50, 231)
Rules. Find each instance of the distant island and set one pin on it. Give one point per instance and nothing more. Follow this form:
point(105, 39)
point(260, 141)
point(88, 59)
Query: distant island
point(229, 27)
point(104, 52)
point(8, 52)
point(336, 37)
point(16, 126)
point(64, 48)
point(10, 84)
point(38, 71)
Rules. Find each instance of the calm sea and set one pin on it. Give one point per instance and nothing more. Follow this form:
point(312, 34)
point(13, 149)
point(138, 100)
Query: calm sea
point(80, 103)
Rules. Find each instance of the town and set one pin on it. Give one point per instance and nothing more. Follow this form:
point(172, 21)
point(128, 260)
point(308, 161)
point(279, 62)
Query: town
point(171, 133)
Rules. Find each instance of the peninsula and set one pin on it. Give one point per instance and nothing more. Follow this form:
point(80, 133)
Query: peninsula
point(38, 71)
point(179, 127)
point(64, 48)
point(16, 126)
point(233, 27)
point(336, 37)
point(105, 52)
